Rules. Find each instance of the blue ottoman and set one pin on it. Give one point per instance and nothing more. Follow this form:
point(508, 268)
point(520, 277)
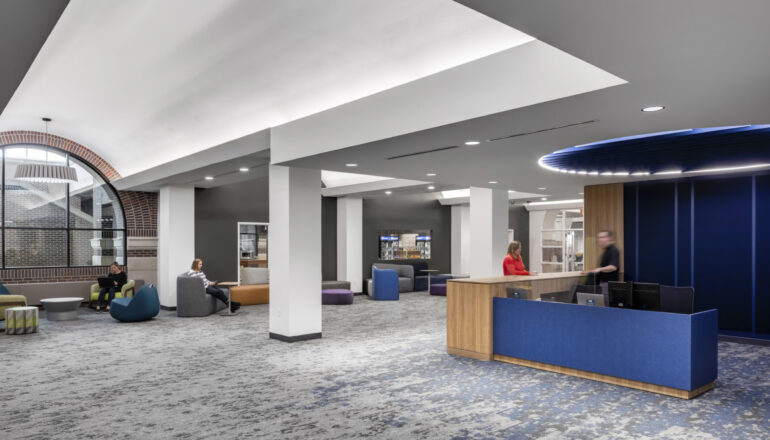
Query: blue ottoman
point(336, 296)
point(143, 306)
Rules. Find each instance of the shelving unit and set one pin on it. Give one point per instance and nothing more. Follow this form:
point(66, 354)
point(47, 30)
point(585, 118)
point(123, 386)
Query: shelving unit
point(562, 242)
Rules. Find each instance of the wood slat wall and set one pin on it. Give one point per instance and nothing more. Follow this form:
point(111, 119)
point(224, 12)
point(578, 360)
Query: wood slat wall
point(603, 209)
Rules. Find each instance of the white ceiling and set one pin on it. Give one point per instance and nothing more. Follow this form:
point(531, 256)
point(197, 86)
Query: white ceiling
point(145, 82)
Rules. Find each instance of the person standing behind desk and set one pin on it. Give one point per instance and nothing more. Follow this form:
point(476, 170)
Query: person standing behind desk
point(513, 264)
point(609, 264)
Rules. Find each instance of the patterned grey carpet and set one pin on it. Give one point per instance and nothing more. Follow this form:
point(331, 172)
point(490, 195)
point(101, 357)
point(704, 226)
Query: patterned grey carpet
point(380, 371)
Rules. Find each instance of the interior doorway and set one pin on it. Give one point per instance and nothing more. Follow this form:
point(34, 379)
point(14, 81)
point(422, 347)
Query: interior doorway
point(252, 245)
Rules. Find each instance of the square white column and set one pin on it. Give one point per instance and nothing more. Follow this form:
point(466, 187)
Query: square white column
point(294, 238)
point(488, 231)
point(461, 239)
point(176, 238)
point(349, 244)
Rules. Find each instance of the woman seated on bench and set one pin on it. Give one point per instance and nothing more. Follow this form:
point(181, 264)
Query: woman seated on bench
point(118, 278)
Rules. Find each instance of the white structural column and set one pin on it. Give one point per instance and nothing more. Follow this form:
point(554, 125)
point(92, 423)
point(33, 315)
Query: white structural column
point(294, 237)
point(461, 239)
point(176, 238)
point(349, 245)
point(489, 231)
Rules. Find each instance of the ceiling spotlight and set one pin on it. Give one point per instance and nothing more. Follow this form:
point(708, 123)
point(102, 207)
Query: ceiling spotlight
point(351, 165)
point(472, 143)
point(431, 187)
point(492, 182)
point(244, 170)
point(388, 192)
point(209, 177)
point(431, 174)
point(654, 108)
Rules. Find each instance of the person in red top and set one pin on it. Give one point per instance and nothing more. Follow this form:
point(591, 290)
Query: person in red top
point(512, 263)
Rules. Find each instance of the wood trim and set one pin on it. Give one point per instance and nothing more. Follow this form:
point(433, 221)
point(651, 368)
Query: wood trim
point(668, 391)
point(469, 354)
point(603, 209)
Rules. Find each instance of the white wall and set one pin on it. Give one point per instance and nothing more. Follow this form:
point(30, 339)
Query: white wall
point(295, 251)
point(461, 239)
point(349, 242)
point(536, 219)
point(176, 238)
point(488, 231)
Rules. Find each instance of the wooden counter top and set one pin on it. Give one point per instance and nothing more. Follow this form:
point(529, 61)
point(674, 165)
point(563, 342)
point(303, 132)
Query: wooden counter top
point(518, 278)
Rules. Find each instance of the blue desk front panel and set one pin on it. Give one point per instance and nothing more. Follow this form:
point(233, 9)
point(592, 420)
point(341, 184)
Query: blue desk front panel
point(672, 350)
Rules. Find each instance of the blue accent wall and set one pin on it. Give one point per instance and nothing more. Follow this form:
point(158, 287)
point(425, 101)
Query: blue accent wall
point(712, 233)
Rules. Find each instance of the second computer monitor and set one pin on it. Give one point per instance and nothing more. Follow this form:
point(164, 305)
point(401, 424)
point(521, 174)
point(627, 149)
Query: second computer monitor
point(646, 296)
point(620, 294)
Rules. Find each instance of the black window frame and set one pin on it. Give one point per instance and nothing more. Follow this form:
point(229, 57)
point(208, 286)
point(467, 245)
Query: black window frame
point(67, 229)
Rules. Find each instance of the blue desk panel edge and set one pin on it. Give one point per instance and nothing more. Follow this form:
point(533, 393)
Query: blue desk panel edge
point(667, 349)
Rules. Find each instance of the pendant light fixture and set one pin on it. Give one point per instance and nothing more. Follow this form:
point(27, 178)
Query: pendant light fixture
point(46, 173)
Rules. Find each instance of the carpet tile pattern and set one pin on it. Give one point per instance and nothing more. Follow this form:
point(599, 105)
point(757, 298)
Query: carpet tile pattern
point(380, 371)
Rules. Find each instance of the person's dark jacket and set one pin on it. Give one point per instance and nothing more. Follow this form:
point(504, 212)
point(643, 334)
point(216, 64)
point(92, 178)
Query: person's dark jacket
point(120, 277)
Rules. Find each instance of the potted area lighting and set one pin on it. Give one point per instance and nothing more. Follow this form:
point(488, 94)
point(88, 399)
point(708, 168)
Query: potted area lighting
point(653, 108)
point(45, 173)
point(209, 177)
point(244, 170)
point(472, 142)
point(351, 165)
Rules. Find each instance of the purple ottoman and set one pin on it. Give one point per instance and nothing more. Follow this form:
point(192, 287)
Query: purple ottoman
point(336, 296)
point(438, 289)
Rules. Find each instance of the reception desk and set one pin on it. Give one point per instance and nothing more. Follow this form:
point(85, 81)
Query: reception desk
point(667, 353)
point(469, 307)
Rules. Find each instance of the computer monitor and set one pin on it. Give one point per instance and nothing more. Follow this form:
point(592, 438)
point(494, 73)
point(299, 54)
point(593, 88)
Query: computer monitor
point(620, 294)
point(646, 296)
point(590, 299)
point(582, 288)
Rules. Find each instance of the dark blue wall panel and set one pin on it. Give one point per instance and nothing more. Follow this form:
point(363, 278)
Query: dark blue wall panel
point(762, 311)
point(683, 219)
point(656, 233)
point(629, 228)
point(723, 242)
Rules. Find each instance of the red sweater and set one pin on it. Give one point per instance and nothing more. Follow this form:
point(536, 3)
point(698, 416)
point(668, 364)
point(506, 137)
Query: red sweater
point(514, 266)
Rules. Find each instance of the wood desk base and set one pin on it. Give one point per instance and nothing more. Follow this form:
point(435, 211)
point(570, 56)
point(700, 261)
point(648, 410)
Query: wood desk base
point(469, 354)
point(668, 391)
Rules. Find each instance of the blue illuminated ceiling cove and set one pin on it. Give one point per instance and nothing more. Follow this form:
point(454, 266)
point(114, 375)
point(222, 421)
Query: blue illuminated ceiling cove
point(670, 152)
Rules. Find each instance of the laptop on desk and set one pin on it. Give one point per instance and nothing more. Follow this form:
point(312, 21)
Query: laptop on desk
point(590, 299)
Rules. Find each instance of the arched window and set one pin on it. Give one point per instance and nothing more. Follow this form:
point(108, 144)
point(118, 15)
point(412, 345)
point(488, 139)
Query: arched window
point(58, 224)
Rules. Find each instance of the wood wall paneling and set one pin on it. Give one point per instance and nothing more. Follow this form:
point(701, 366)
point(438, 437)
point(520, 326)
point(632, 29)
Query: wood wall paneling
point(603, 209)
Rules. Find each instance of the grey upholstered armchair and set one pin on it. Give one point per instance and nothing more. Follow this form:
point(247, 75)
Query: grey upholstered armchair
point(192, 299)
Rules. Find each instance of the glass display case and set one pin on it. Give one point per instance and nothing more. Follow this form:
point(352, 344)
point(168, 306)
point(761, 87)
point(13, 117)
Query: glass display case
point(405, 245)
point(252, 240)
point(562, 241)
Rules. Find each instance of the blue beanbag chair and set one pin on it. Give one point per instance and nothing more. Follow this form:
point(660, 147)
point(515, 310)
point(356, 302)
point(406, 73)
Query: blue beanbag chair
point(141, 307)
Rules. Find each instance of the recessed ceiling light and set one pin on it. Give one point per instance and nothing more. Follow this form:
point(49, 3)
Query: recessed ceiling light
point(351, 165)
point(493, 182)
point(472, 143)
point(244, 170)
point(388, 192)
point(431, 174)
point(431, 187)
point(669, 172)
point(543, 198)
point(557, 202)
point(580, 194)
point(209, 177)
point(511, 190)
point(654, 108)
point(542, 188)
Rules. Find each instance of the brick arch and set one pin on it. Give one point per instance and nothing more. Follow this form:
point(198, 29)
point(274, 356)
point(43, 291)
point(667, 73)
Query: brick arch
point(37, 138)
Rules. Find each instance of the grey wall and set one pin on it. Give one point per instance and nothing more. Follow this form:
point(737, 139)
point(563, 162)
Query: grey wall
point(329, 238)
point(217, 213)
point(518, 220)
point(408, 212)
